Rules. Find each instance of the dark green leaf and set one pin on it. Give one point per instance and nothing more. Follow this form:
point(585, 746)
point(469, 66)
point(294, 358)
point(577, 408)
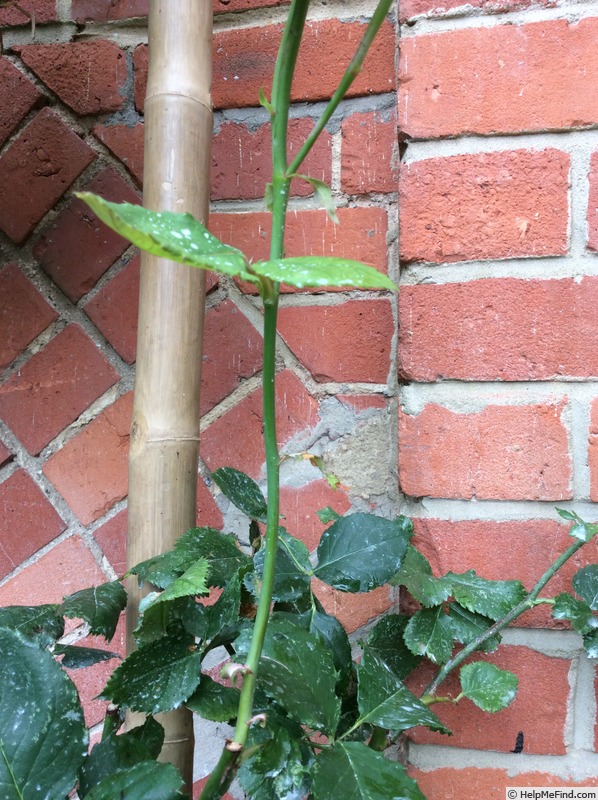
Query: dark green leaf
point(489, 687)
point(43, 738)
point(577, 612)
point(220, 549)
point(337, 641)
point(386, 639)
point(416, 575)
point(223, 623)
point(79, 657)
point(242, 491)
point(352, 771)
point(585, 583)
point(99, 606)
point(492, 599)
point(41, 624)
point(361, 552)
point(430, 633)
point(213, 701)
point(293, 570)
point(305, 271)
point(166, 619)
point(161, 570)
point(327, 515)
point(297, 670)
point(148, 780)
point(191, 583)
point(467, 626)
point(150, 735)
point(157, 677)
point(385, 701)
point(176, 237)
point(590, 642)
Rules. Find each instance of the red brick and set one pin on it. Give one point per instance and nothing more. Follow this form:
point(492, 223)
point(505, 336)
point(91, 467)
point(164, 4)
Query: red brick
point(410, 9)
point(88, 76)
point(114, 310)
point(112, 538)
point(243, 63)
point(207, 512)
point(63, 570)
point(592, 215)
point(54, 387)
point(24, 313)
point(126, 143)
point(353, 610)
point(500, 453)
point(28, 521)
point(235, 439)
point(77, 230)
point(513, 65)
point(346, 342)
point(5, 454)
point(499, 329)
point(17, 97)
point(140, 66)
point(45, 11)
point(472, 783)
point(108, 10)
point(90, 471)
point(299, 507)
point(593, 451)
point(543, 723)
point(513, 550)
point(36, 170)
point(232, 352)
point(230, 6)
point(369, 154)
point(242, 164)
point(489, 205)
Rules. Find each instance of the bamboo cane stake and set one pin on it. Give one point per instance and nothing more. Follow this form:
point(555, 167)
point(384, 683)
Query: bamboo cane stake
point(165, 428)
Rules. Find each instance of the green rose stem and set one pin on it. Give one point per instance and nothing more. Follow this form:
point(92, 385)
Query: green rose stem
point(528, 602)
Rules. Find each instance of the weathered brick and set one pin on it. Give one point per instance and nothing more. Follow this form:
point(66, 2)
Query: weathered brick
point(45, 11)
point(242, 164)
point(369, 154)
point(353, 610)
point(17, 97)
point(592, 214)
point(499, 329)
point(112, 538)
point(54, 387)
point(108, 10)
point(88, 76)
point(500, 453)
point(114, 310)
point(513, 65)
point(206, 510)
point(235, 439)
point(77, 230)
point(232, 352)
point(299, 507)
point(229, 6)
point(24, 313)
point(5, 454)
point(36, 170)
point(593, 450)
point(489, 205)
point(411, 9)
point(543, 723)
point(362, 403)
point(471, 783)
point(27, 521)
point(243, 63)
point(514, 550)
point(346, 342)
point(90, 471)
point(126, 143)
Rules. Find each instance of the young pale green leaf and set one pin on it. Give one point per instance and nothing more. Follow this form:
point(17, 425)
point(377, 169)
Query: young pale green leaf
point(361, 552)
point(492, 599)
point(489, 687)
point(585, 583)
point(297, 670)
point(148, 780)
point(242, 491)
point(176, 237)
point(430, 633)
point(99, 606)
point(43, 738)
point(317, 271)
point(352, 771)
point(416, 575)
point(192, 582)
point(590, 643)
point(157, 677)
point(78, 657)
point(385, 701)
point(161, 570)
point(467, 625)
point(264, 102)
point(577, 612)
point(327, 515)
point(219, 549)
point(40, 624)
point(386, 640)
point(324, 195)
point(213, 701)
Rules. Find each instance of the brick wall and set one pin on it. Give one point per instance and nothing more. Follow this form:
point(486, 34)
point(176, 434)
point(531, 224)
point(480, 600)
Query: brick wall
point(489, 397)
